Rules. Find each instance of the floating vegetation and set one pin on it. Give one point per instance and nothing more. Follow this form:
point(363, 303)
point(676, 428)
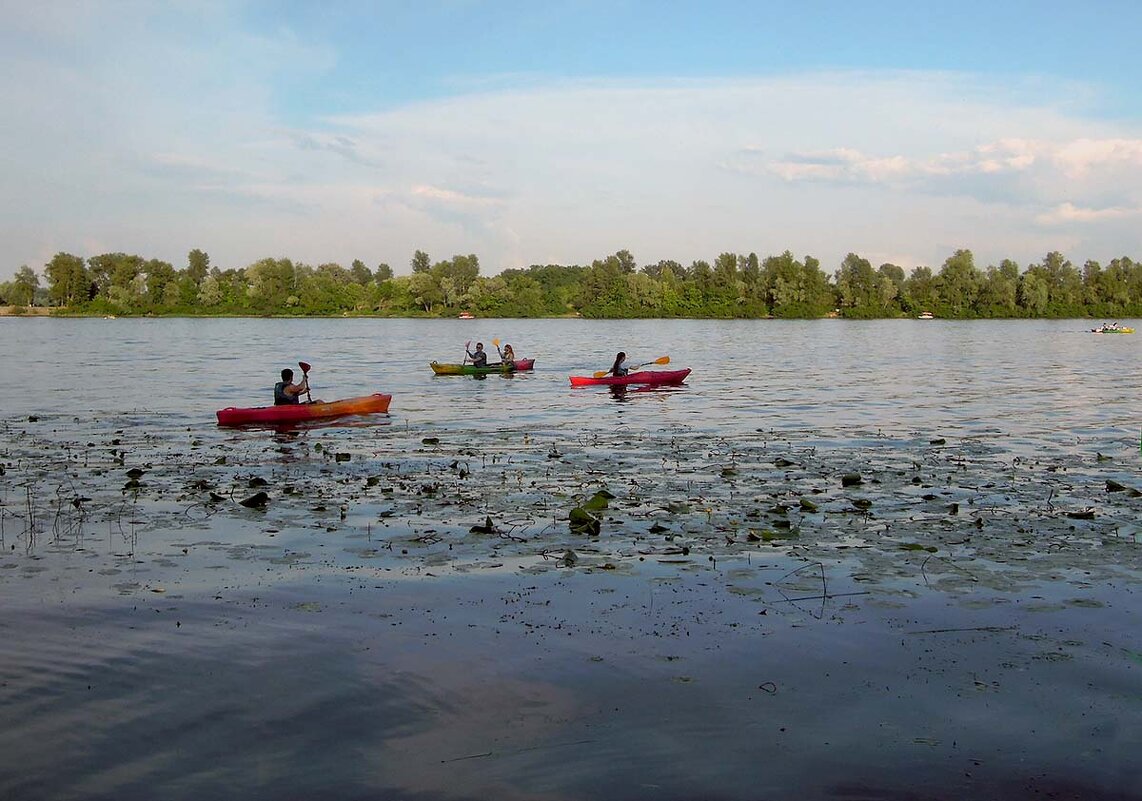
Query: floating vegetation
point(676, 497)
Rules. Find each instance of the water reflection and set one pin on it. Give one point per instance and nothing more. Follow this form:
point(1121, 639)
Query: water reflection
point(292, 430)
point(622, 393)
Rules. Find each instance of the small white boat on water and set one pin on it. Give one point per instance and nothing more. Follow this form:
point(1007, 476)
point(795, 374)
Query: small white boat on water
point(1112, 328)
point(925, 316)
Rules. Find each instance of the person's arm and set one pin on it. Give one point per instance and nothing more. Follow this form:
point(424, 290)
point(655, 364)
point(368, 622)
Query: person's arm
point(295, 390)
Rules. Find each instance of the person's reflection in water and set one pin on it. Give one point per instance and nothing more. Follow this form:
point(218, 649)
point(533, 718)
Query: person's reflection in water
point(619, 393)
point(285, 437)
point(286, 434)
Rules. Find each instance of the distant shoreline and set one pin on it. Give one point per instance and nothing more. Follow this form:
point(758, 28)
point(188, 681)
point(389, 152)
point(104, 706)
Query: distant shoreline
point(26, 311)
point(56, 311)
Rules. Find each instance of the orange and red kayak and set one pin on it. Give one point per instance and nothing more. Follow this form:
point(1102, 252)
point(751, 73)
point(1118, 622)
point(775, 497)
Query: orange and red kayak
point(298, 412)
point(641, 377)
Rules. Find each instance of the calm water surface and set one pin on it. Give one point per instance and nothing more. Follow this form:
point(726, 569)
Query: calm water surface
point(1029, 380)
point(157, 642)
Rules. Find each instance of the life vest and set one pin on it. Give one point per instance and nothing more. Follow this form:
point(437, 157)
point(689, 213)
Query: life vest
point(280, 396)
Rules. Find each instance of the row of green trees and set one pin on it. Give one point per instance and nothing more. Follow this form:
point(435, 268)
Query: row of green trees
point(733, 286)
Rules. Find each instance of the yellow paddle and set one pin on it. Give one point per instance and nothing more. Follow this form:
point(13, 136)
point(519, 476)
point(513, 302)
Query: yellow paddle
point(659, 360)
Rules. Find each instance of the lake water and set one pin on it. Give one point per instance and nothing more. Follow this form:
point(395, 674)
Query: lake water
point(408, 615)
point(1035, 380)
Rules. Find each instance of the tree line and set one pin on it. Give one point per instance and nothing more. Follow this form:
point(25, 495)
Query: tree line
point(732, 286)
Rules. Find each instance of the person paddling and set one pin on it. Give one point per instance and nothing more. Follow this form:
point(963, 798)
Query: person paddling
point(507, 356)
point(621, 367)
point(479, 358)
point(286, 392)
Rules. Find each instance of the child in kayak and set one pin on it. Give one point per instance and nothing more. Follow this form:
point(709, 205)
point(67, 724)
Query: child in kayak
point(286, 392)
point(621, 367)
point(479, 358)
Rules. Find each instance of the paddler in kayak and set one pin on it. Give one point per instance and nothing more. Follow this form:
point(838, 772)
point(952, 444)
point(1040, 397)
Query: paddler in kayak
point(507, 356)
point(479, 358)
point(621, 366)
point(286, 392)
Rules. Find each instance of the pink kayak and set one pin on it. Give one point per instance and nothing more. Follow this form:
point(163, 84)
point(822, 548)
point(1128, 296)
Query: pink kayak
point(297, 412)
point(641, 377)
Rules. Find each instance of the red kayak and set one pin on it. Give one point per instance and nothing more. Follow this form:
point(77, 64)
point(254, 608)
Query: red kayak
point(298, 412)
point(641, 377)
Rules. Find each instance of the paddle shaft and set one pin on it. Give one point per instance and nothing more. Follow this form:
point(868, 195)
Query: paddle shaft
point(305, 375)
point(659, 360)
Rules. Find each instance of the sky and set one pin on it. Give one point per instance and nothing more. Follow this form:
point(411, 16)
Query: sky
point(540, 132)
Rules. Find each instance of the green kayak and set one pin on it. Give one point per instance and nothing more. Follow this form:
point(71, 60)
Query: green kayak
point(471, 369)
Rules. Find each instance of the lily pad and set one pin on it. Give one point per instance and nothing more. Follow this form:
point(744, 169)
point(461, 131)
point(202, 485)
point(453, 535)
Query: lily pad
point(768, 535)
point(584, 522)
point(485, 528)
point(256, 501)
point(599, 501)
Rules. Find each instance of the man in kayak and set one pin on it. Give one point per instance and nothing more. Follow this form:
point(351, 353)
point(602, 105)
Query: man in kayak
point(620, 367)
point(479, 358)
point(287, 392)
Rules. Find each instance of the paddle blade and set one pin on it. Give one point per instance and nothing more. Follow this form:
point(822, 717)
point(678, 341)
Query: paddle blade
point(601, 373)
point(305, 368)
point(496, 342)
point(661, 360)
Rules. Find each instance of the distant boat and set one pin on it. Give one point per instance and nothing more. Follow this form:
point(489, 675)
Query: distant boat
point(466, 316)
point(1108, 328)
point(926, 316)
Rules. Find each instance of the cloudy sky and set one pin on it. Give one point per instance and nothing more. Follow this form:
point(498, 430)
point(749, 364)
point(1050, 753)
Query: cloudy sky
point(560, 132)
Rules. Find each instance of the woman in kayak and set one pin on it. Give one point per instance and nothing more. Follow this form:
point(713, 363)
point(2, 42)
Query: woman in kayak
point(287, 392)
point(507, 356)
point(621, 367)
point(479, 358)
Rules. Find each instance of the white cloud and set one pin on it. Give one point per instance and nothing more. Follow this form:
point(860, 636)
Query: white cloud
point(1076, 159)
point(1073, 159)
point(1069, 212)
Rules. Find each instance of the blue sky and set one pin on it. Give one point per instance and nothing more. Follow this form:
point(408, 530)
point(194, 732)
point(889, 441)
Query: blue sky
point(532, 132)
